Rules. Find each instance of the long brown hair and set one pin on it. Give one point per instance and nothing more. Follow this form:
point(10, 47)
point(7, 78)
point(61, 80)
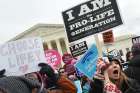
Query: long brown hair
point(123, 78)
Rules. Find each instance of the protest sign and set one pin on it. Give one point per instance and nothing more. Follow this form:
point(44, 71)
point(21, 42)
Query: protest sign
point(78, 73)
point(22, 56)
point(114, 54)
point(91, 17)
point(78, 49)
point(108, 37)
point(87, 64)
point(78, 85)
point(53, 58)
point(136, 40)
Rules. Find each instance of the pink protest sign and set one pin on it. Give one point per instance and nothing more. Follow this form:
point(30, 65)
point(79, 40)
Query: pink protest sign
point(53, 58)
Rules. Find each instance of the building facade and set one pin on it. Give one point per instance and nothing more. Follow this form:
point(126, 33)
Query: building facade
point(54, 37)
point(122, 43)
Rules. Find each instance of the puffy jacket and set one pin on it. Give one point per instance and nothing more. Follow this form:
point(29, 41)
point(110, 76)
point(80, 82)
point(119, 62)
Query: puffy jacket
point(133, 70)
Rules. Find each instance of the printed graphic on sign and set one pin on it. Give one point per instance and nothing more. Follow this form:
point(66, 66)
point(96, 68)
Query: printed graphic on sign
point(114, 54)
point(78, 49)
point(78, 73)
point(22, 56)
point(53, 58)
point(87, 64)
point(108, 37)
point(136, 40)
point(91, 17)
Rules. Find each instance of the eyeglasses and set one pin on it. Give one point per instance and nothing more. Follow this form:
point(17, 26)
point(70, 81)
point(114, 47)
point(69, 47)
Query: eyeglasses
point(62, 72)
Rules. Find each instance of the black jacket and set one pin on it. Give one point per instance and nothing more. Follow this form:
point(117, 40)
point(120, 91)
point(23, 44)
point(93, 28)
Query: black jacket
point(133, 87)
point(133, 70)
point(14, 84)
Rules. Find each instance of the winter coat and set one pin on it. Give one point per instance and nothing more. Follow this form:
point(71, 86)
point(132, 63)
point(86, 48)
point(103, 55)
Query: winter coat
point(133, 70)
point(132, 87)
point(13, 84)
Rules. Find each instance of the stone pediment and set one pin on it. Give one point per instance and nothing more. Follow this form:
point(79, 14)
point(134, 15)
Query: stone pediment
point(41, 30)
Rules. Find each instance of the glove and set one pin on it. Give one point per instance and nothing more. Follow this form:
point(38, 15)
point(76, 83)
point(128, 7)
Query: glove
point(102, 65)
point(2, 72)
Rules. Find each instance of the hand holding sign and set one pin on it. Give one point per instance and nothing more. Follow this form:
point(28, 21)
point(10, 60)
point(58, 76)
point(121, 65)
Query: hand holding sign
point(102, 65)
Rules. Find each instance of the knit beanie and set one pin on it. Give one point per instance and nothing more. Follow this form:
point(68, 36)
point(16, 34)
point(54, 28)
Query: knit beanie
point(46, 69)
point(136, 49)
point(13, 84)
point(118, 62)
point(2, 73)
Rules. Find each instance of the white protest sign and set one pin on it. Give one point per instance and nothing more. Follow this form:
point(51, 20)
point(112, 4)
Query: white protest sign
point(22, 56)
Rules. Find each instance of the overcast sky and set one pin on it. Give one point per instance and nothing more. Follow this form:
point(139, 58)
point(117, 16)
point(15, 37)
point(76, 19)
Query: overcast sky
point(16, 16)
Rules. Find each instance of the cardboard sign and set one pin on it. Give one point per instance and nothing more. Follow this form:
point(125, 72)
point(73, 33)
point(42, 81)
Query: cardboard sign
point(78, 49)
point(22, 56)
point(108, 37)
point(53, 58)
point(91, 17)
point(136, 40)
point(87, 64)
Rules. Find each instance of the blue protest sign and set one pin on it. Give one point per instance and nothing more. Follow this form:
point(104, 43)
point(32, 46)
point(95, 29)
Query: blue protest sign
point(78, 85)
point(78, 73)
point(87, 64)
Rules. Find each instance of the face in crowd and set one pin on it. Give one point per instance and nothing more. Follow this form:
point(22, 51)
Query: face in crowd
point(62, 72)
point(114, 70)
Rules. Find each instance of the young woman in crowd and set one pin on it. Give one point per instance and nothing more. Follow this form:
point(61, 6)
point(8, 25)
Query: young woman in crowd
point(129, 56)
point(111, 79)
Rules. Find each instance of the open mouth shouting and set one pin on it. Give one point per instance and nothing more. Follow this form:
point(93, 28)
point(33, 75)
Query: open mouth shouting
point(115, 74)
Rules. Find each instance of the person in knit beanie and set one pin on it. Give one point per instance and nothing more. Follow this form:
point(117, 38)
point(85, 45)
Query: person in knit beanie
point(17, 84)
point(49, 75)
point(135, 49)
point(133, 70)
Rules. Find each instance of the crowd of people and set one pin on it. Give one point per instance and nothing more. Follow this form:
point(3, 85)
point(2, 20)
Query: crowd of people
point(110, 77)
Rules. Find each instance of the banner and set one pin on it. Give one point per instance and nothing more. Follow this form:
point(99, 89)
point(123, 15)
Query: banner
point(91, 17)
point(78, 49)
point(53, 58)
point(22, 56)
point(87, 64)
